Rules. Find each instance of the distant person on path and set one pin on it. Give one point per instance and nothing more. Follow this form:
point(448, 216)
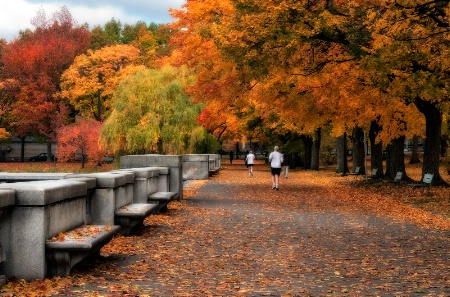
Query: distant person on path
point(275, 159)
point(285, 165)
point(249, 160)
point(231, 157)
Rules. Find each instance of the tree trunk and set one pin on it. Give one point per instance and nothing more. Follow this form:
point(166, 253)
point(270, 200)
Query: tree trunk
point(395, 158)
point(358, 149)
point(341, 154)
point(315, 153)
point(432, 149)
point(307, 143)
point(444, 146)
point(415, 150)
point(376, 149)
point(22, 149)
point(49, 151)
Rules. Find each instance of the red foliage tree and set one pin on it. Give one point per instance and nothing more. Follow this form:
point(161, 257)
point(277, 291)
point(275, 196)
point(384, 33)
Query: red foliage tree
point(80, 141)
point(36, 61)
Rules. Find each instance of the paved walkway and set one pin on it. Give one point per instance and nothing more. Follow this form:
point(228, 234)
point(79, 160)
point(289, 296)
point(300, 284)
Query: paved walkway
point(237, 237)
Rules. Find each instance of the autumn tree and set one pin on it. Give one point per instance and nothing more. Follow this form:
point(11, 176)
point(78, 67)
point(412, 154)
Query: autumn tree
point(93, 76)
point(411, 57)
point(275, 45)
point(80, 140)
point(36, 61)
point(306, 58)
point(151, 113)
point(218, 85)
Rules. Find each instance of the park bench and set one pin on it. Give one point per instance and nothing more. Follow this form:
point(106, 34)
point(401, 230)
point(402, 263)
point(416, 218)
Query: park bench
point(112, 201)
point(374, 175)
point(397, 179)
point(7, 199)
point(161, 199)
point(152, 186)
point(356, 172)
point(213, 169)
point(51, 228)
point(69, 248)
point(132, 215)
point(426, 182)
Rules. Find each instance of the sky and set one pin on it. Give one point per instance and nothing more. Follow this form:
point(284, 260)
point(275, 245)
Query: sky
point(16, 15)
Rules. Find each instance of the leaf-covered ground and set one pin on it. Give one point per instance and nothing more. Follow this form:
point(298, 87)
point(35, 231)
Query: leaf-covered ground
point(319, 235)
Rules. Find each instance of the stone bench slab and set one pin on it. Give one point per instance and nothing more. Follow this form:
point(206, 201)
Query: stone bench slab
point(162, 198)
point(69, 248)
point(131, 215)
point(82, 238)
point(137, 210)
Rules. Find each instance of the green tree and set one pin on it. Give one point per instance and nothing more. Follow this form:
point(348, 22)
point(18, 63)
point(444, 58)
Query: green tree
point(151, 113)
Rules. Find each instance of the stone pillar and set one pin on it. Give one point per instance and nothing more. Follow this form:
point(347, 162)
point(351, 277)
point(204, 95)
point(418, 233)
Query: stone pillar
point(173, 162)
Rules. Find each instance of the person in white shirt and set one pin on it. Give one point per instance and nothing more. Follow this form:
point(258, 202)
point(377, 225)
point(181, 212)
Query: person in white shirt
point(249, 160)
point(275, 159)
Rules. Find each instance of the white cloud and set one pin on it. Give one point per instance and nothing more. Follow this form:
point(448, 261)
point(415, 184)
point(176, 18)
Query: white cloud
point(16, 15)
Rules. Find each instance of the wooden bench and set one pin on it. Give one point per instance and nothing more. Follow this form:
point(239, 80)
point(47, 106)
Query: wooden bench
point(132, 215)
point(162, 199)
point(426, 182)
point(69, 248)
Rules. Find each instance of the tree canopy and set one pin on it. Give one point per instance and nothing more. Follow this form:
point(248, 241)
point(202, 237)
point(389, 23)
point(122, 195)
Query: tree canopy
point(151, 113)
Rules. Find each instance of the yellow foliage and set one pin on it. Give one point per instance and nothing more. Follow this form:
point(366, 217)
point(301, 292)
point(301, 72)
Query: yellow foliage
point(98, 70)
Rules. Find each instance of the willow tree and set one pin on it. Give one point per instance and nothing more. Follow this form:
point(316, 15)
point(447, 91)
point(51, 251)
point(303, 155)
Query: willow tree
point(152, 113)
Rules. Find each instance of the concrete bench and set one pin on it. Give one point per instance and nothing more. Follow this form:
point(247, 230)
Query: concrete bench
point(132, 215)
point(112, 201)
point(152, 186)
point(212, 167)
point(45, 210)
point(68, 249)
point(7, 199)
point(172, 163)
point(162, 199)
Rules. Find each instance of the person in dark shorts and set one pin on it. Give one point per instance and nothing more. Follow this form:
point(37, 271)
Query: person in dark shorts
point(275, 159)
